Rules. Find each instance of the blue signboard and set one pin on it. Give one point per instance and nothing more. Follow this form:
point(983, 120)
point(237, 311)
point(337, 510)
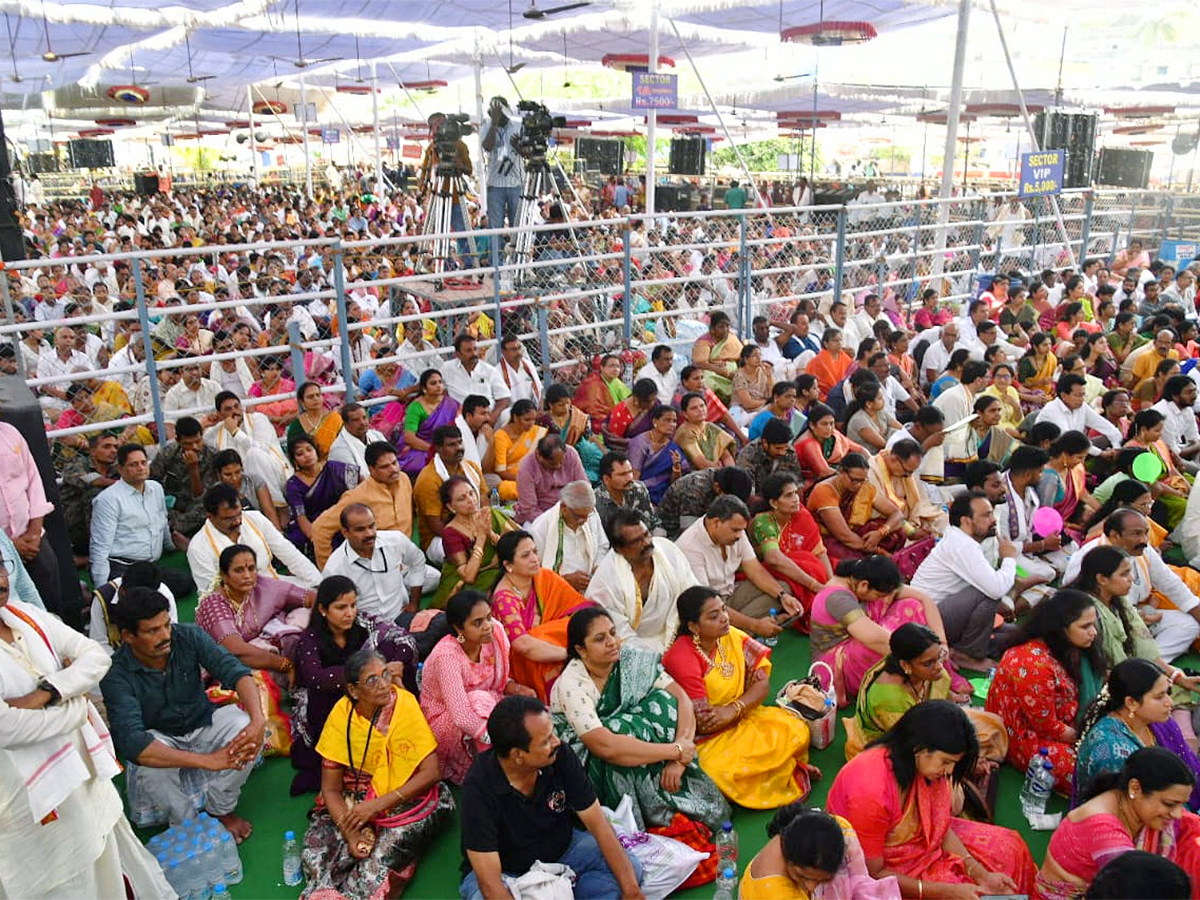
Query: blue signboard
point(393, 142)
point(655, 90)
point(1177, 253)
point(330, 135)
point(1042, 173)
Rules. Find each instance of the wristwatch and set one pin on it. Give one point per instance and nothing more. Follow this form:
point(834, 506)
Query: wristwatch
point(44, 685)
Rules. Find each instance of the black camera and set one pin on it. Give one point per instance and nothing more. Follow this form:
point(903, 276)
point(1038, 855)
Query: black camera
point(452, 128)
point(536, 125)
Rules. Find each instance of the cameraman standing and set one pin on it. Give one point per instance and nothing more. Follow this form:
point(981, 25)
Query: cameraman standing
point(505, 168)
point(447, 159)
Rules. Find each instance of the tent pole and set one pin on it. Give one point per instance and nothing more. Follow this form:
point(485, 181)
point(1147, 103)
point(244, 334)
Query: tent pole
point(308, 179)
point(1035, 146)
point(253, 142)
point(652, 115)
point(952, 114)
point(480, 178)
point(375, 127)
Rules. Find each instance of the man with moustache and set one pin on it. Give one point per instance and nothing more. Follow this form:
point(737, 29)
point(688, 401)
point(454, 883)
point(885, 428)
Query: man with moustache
point(1173, 629)
point(170, 734)
point(448, 459)
point(965, 586)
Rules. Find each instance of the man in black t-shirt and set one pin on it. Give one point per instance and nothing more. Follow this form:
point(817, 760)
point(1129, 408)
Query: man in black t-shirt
point(518, 801)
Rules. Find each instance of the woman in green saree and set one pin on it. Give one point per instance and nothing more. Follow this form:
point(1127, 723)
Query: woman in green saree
point(632, 726)
point(602, 390)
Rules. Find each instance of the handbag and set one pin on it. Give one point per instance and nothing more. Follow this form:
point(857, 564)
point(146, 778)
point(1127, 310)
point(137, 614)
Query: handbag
point(807, 699)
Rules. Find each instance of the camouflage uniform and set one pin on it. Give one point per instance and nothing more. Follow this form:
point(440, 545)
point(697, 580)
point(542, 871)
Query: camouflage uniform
point(169, 470)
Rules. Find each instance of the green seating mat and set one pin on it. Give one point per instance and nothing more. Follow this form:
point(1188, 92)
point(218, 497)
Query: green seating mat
point(267, 804)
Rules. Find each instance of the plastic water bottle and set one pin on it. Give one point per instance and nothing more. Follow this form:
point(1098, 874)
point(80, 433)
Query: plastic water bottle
point(420, 675)
point(726, 884)
point(494, 499)
point(174, 878)
point(291, 859)
point(230, 859)
point(774, 639)
point(210, 864)
point(1039, 782)
point(220, 892)
point(726, 842)
point(194, 878)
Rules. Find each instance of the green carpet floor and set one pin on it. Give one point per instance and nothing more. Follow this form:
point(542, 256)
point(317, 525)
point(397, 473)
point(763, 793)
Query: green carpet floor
point(266, 803)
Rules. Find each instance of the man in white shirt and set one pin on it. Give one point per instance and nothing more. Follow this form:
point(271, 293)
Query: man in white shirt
point(717, 549)
point(770, 347)
point(467, 374)
point(967, 590)
point(1179, 431)
point(388, 570)
point(1173, 629)
point(570, 536)
point(937, 354)
point(474, 423)
point(64, 359)
point(862, 324)
point(957, 403)
point(132, 354)
point(987, 335)
point(518, 373)
point(1070, 413)
point(350, 445)
point(253, 437)
point(639, 581)
point(661, 370)
point(228, 524)
point(1042, 557)
point(192, 394)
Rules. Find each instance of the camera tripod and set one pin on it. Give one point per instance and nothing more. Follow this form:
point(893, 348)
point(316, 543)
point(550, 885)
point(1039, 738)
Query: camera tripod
point(447, 195)
point(539, 182)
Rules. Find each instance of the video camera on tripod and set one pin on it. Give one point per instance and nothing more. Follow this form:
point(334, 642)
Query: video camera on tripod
point(536, 125)
point(449, 131)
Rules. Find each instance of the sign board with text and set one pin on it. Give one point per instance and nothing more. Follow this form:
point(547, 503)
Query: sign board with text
point(1177, 253)
point(330, 136)
point(655, 90)
point(1042, 173)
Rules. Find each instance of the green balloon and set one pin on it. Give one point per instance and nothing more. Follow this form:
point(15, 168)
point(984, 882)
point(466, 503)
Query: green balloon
point(1147, 468)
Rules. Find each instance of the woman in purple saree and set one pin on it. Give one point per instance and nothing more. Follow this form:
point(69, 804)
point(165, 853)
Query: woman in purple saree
point(430, 410)
point(317, 485)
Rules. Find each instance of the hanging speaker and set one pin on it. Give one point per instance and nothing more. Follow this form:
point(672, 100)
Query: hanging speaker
point(1124, 168)
point(242, 138)
point(687, 156)
point(1184, 143)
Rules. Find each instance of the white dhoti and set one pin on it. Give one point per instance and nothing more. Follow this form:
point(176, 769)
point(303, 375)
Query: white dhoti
point(1174, 632)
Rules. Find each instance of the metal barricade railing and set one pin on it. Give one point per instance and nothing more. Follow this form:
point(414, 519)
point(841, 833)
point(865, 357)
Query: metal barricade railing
point(612, 285)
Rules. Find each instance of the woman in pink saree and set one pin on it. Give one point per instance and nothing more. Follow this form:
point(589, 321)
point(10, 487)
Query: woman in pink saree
point(854, 615)
point(897, 795)
point(1064, 482)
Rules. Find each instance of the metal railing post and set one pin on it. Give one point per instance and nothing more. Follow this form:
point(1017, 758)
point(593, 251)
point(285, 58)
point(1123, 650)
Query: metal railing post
point(1168, 211)
point(839, 254)
point(744, 291)
point(627, 279)
point(493, 246)
point(139, 288)
point(16, 336)
point(1085, 232)
point(299, 375)
point(544, 335)
point(976, 244)
point(339, 288)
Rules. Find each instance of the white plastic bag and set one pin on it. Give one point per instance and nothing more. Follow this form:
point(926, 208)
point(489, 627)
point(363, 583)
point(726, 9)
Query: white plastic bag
point(666, 862)
point(543, 881)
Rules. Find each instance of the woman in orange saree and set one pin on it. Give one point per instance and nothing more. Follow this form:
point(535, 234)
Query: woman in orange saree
point(533, 604)
point(602, 390)
point(897, 796)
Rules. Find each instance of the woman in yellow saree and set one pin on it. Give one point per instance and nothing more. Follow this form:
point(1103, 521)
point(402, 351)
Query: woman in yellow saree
point(704, 444)
point(717, 352)
point(381, 801)
point(510, 445)
point(758, 756)
point(1035, 370)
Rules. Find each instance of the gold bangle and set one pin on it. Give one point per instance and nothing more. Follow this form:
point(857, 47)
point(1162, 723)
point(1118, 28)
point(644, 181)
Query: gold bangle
point(920, 889)
point(679, 753)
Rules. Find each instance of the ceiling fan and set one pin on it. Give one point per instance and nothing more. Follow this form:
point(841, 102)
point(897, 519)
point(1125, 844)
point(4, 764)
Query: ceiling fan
point(512, 68)
point(193, 78)
point(50, 56)
point(534, 13)
point(300, 62)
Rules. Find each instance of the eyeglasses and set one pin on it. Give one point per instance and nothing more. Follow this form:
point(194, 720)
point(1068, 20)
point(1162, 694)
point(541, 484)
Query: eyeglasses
point(374, 681)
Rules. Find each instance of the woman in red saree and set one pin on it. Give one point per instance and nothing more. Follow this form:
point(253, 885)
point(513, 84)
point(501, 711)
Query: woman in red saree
point(533, 604)
point(631, 416)
point(822, 446)
point(898, 793)
point(788, 541)
point(602, 390)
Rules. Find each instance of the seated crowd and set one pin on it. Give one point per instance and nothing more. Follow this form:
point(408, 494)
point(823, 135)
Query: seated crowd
point(557, 597)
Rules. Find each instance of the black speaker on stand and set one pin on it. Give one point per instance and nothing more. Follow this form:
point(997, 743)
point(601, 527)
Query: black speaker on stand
point(687, 156)
point(605, 156)
point(146, 183)
point(1075, 133)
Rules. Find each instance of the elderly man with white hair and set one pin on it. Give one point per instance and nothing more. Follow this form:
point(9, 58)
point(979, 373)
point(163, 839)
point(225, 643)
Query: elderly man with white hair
point(570, 536)
point(638, 582)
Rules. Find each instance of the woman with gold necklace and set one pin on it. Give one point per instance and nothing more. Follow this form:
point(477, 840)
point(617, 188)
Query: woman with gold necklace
point(631, 726)
point(320, 424)
point(381, 801)
point(757, 755)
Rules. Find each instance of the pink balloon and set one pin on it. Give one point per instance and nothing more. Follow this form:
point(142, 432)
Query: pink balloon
point(1046, 521)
